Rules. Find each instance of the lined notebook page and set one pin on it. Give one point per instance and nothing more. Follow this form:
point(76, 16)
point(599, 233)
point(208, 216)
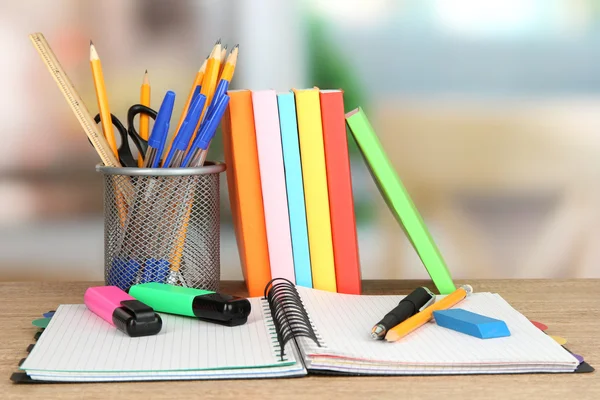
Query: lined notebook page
point(77, 340)
point(344, 323)
point(293, 370)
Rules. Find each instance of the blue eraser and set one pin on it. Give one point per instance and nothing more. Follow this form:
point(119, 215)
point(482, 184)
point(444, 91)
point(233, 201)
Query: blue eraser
point(471, 323)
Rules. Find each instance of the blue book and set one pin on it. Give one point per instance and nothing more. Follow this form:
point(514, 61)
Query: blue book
point(295, 188)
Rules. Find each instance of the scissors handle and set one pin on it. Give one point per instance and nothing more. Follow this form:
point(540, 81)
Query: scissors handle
point(124, 151)
point(138, 141)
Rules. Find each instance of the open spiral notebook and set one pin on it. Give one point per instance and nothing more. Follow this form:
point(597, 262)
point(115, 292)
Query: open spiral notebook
point(329, 335)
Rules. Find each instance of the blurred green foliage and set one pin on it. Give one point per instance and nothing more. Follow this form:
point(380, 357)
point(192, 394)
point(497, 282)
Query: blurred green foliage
point(329, 69)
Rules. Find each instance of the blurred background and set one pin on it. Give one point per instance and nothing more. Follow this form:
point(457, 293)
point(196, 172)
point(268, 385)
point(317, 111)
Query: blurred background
point(489, 110)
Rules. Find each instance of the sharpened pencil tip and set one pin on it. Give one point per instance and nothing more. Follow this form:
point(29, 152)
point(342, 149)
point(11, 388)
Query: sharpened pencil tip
point(218, 42)
point(225, 47)
point(237, 46)
point(91, 43)
point(93, 52)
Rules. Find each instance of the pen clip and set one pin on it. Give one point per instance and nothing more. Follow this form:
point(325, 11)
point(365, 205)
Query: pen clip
point(429, 302)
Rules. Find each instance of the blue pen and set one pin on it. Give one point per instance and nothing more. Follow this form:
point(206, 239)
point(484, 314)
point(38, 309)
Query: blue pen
point(180, 144)
point(196, 93)
point(219, 92)
point(160, 130)
point(197, 154)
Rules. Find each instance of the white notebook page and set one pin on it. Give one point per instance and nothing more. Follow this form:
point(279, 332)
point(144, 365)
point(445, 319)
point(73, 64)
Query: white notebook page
point(77, 340)
point(344, 323)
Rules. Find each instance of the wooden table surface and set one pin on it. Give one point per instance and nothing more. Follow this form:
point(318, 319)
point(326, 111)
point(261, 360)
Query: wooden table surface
point(570, 308)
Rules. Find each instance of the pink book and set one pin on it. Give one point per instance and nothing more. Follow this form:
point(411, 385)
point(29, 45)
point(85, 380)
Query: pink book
point(272, 175)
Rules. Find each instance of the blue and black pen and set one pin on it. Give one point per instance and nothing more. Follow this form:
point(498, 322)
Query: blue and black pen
point(197, 153)
point(160, 130)
point(181, 142)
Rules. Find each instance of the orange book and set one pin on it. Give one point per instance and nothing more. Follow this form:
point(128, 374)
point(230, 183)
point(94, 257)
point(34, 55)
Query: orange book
point(245, 194)
point(339, 183)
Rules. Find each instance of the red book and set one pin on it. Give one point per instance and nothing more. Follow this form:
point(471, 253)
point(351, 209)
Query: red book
point(339, 183)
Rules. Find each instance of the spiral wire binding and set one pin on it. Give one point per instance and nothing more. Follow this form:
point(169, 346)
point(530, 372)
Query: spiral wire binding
point(288, 313)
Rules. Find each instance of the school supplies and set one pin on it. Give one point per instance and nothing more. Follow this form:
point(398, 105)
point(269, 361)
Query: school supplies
point(107, 146)
point(180, 143)
point(274, 195)
point(124, 151)
point(295, 188)
point(119, 309)
point(75, 101)
point(471, 323)
point(205, 305)
point(339, 187)
point(308, 111)
point(424, 316)
point(226, 76)
point(102, 98)
point(196, 155)
point(145, 101)
point(410, 305)
point(197, 82)
point(41, 322)
point(398, 200)
point(245, 195)
point(328, 336)
point(160, 130)
point(223, 55)
point(230, 63)
point(209, 81)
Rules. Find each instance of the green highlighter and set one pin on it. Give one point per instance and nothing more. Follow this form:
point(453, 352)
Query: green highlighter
point(202, 304)
point(398, 200)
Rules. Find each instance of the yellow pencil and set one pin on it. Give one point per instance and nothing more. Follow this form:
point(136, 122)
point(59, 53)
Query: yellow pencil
point(102, 98)
point(144, 119)
point(421, 318)
point(229, 67)
point(209, 83)
point(197, 81)
point(223, 55)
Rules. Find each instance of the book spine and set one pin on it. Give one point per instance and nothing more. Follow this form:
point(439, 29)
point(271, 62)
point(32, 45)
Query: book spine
point(341, 203)
point(270, 161)
point(295, 188)
point(316, 195)
point(245, 196)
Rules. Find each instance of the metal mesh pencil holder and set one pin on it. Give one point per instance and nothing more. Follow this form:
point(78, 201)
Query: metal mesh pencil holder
point(162, 225)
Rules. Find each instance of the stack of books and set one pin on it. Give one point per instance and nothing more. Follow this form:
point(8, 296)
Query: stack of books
point(290, 189)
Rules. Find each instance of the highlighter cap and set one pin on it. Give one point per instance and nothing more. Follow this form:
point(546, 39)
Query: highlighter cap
point(221, 309)
point(136, 319)
point(122, 311)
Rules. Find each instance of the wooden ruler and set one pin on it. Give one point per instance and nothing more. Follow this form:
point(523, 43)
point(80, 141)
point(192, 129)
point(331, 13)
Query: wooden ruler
point(77, 105)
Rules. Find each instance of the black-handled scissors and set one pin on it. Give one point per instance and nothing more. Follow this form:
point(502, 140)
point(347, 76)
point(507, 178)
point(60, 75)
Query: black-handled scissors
point(124, 151)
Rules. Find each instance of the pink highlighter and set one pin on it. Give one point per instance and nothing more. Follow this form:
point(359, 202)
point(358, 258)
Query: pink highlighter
point(119, 309)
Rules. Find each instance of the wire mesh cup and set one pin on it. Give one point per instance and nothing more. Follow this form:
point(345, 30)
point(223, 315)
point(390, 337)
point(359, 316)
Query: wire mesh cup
point(162, 225)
